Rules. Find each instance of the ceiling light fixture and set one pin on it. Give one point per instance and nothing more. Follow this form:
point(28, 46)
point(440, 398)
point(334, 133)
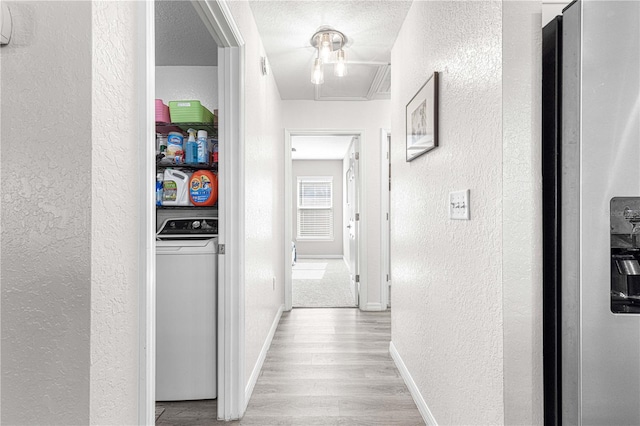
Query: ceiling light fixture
point(329, 45)
point(317, 74)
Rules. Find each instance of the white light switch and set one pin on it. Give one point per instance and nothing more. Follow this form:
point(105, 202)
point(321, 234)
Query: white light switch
point(459, 205)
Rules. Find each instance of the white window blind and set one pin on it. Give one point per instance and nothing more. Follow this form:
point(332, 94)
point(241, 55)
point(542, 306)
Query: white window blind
point(315, 208)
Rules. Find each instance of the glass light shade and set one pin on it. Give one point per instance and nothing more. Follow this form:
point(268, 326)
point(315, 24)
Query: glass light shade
point(325, 46)
point(340, 68)
point(317, 74)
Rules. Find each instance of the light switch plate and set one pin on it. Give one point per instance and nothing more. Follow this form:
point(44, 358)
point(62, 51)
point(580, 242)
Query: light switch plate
point(459, 205)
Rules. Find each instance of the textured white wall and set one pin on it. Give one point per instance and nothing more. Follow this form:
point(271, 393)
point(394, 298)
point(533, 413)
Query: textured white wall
point(447, 275)
point(188, 83)
point(370, 116)
point(331, 168)
point(1, 227)
point(522, 212)
point(264, 181)
point(46, 213)
point(115, 207)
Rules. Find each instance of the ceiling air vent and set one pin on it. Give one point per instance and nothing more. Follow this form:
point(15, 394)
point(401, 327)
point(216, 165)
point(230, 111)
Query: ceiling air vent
point(381, 85)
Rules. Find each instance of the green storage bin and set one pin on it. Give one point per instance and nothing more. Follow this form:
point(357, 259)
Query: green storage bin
point(189, 112)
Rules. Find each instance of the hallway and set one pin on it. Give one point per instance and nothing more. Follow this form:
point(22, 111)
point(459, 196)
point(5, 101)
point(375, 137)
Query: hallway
point(326, 367)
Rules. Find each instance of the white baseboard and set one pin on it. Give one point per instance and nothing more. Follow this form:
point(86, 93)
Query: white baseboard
point(319, 256)
point(413, 388)
point(263, 354)
point(374, 307)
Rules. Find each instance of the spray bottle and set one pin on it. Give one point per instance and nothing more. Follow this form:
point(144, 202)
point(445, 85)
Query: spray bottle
point(192, 148)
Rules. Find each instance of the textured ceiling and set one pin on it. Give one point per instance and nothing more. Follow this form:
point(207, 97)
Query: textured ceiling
point(319, 147)
point(371, 27)
point(181, 37)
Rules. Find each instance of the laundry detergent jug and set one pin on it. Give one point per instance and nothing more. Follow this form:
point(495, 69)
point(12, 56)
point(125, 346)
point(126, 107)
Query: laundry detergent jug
point(203, 188)
point(175, 188)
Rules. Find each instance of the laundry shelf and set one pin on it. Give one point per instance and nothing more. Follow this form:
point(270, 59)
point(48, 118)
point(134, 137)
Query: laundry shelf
point(166, 128)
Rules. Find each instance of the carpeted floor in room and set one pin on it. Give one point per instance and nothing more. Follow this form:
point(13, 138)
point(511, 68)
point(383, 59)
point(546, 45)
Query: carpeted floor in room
point(322, 283)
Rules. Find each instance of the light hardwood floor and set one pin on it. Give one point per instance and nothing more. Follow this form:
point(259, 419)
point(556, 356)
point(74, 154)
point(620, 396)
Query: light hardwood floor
point(324, 367)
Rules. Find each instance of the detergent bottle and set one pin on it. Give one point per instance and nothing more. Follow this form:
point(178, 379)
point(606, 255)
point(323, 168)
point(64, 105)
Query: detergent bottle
point(159, 179)
point(203, 188)
point(175, 188)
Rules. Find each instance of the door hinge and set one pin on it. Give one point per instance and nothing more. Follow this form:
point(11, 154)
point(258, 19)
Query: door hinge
point(357, 155)
point(220, 248)
point(387, 277)
point(358, 278)
point(387, 216)
point(357, 216)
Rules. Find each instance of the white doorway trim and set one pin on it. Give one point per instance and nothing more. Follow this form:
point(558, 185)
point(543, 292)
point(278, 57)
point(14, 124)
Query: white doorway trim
point(218, 20)
point(146, 239)
point(288, 206)
point(385, 163)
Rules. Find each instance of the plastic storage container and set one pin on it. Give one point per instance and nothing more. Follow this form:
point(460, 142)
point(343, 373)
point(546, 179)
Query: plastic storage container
point(189, 112)
point(175, 188)
point(162, 112)
point(175, 143)
point(203, 188)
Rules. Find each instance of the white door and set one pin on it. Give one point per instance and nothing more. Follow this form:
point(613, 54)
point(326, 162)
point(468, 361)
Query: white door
point(353, 223)
point(386, 209)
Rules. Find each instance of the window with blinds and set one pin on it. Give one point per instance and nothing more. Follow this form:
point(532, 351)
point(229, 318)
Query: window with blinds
point(315, 208)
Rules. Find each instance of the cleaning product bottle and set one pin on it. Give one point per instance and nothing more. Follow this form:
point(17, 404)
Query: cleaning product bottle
point(203, 149)
point(175, 188)
point(215, 152)
point(174, 144)
point(161, 143)
point(203, 188)
point(159, 179)
point(192, 148)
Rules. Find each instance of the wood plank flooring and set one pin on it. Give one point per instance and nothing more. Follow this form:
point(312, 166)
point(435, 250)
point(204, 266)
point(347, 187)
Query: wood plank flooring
point(324, 367)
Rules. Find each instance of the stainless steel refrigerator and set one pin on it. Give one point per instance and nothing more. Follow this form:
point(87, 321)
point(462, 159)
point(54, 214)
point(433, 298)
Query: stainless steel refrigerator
point(592, 216)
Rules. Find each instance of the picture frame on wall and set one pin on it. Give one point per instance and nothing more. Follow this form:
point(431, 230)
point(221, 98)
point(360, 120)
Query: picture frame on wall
point(422, 119)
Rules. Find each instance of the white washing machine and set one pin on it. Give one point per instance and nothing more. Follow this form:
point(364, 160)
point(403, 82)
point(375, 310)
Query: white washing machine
point(186, 309)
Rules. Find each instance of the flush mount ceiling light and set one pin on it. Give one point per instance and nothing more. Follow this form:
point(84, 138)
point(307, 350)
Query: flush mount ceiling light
point(329, 45)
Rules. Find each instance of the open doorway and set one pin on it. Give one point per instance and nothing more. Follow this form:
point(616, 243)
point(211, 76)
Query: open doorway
point(186, 87)
point(226, 353)
point(324, 182)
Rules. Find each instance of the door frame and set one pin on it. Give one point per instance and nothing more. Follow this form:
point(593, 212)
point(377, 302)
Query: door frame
point(218, 19)
point(385, 212)
point(353, 254)
point(288, 208)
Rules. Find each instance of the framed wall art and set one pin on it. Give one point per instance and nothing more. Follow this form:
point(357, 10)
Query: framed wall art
point(422, 119)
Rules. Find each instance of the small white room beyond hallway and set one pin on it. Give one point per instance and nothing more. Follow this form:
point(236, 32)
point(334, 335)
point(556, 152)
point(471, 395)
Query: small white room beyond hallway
point(324, 173)
point(322, 283)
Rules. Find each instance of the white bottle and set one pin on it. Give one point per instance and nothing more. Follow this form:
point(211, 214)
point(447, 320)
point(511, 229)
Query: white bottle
point(203, 152)
point(175, 188)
